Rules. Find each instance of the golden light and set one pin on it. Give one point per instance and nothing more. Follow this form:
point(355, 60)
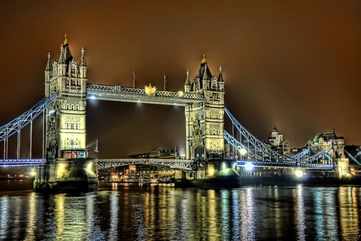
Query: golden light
point(61, 170)
point(180, 93)
point(32, 172)
point(211, 171)
point(150, 90)
point(89, 168)
point(299, 173)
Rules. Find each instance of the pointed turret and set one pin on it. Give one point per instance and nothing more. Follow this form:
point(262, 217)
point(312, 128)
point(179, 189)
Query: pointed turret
point(83, 65)
point(220, 76)
point(204, 71)
point(48, 63)
point(65, 54)
point(220, 79)
point(82, 57)
point(47, 74)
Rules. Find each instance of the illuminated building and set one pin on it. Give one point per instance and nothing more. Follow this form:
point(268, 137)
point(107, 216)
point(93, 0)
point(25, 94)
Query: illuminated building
point(278, 142)
point(204, 121)
point(67, 78)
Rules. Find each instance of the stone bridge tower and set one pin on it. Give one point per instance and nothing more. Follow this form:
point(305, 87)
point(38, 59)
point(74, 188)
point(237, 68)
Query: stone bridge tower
point(65, 126)
point(67, 78)
point(205, 120)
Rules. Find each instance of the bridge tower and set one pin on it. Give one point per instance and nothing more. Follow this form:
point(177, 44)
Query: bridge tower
point(204, 121)
point(65, 122)
point(68, 79)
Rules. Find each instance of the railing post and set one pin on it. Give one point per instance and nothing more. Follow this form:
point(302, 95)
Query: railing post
point(4, 157)
point(7, 148)
point(31, 140)
point(18, 144)
point(43, 135)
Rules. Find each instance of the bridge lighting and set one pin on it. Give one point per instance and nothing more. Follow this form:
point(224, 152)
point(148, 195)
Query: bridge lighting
point(248, 166)
point(299, 173)
point(89, 168)
point(32, 172)
point(243, 151)
point(180, 93)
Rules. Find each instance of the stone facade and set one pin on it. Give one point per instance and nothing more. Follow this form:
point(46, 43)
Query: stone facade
point(204, 121)
point(67, 78)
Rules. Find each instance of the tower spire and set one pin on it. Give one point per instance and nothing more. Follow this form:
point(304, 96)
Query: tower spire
point(187, 77)
point(220, 76)
point(48, 67)
point(66, 41)
point(164, 82)
point(204, 59)
point(82, 57)
point(206, 75)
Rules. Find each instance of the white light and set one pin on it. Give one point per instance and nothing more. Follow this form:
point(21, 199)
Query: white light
point(51, 112)
point(92, 97)
point(248, 166)
point(299, 173)
point(243, 151)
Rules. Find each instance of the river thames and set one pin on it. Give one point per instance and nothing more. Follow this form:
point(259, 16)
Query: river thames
point(168, 213)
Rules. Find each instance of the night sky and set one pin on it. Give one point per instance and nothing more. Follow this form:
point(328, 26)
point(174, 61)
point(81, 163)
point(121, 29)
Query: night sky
point(294, 65)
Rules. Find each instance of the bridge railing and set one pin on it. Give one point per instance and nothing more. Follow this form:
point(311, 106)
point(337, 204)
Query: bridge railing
point(110, 91)
point(22, 162)
point(180, 164)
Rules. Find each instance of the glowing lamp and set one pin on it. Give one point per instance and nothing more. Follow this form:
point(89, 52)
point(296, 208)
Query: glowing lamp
point(243, 151)
point(51, 112)
point(150, 90)
point(299, 173)
point(248, 166)
point(33, 172)
point(92, 97)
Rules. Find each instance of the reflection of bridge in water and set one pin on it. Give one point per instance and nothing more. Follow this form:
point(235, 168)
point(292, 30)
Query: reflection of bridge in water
point(63, 115)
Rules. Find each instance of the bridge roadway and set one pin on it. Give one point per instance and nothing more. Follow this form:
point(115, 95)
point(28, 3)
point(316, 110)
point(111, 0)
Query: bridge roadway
point(136, 95)
point(178, 164)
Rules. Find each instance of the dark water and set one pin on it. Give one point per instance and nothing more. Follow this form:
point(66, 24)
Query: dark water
point(167, 213)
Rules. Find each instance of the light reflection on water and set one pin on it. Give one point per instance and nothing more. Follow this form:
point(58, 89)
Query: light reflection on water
point(164, 213)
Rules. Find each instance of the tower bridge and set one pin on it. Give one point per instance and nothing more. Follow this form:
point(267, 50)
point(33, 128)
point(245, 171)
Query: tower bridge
point(63, 112)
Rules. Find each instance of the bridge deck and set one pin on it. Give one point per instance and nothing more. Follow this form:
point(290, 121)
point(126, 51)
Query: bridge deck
point(136, 95)
point(170, 163)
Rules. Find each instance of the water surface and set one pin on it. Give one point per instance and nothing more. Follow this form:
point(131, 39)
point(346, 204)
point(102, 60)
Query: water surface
point(167, 213)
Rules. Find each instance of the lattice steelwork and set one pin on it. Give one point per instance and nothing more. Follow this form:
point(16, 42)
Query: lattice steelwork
point(262, 154)
point(179, 164)
point(14, 126)
point(136, 95)
point(22, 162)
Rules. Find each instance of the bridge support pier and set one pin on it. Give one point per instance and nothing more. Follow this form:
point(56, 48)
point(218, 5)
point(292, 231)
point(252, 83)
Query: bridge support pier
point(67, 175)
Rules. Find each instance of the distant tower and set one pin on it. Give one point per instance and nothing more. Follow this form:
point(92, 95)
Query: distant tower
point(204, 121)
point(67, 79)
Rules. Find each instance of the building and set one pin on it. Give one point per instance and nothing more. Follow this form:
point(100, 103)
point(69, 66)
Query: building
point(278, 142)
point(204, 120)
